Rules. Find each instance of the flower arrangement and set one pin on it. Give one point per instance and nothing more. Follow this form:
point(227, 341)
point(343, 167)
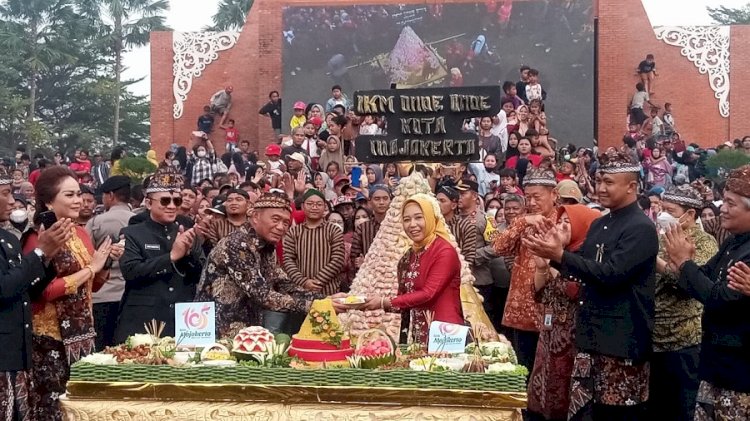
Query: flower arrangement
point(329, 331)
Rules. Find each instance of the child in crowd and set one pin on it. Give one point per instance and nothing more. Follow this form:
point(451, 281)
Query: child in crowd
point(298, 119)
point(640, 98)
point(273, 154)
point(509, 182)
point(668, 119)
point(232, 136)
point(653, 126)
point(534, 88)
point(206, 121)
point(647, 72)
point(369, 126)
point(511, 94)
point(567, 170)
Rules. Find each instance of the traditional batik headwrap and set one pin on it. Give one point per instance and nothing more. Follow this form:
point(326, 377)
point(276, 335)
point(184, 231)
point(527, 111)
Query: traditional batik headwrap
point(540, 177)
point(685, 195)
point(617, 162)
point(273, 200)
point(738, 181)
point(165, 180)
point(5, 177)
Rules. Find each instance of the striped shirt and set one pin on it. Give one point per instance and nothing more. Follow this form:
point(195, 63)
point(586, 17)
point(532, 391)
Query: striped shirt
point(222, 227)
point(362, 239)
point(315, 253)
point(465, 234)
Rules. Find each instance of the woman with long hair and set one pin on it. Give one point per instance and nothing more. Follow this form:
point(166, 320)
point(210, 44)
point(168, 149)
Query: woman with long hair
point(524, 121)
point(429, 273)
point(62, 317)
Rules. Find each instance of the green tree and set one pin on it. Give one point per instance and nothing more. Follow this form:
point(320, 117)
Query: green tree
point(231, 15)
point(38, 34)
point(124, 24)
point(730, 15)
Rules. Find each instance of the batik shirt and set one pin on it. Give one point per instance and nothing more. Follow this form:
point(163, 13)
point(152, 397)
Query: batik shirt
point(243, 278)
point(677, 322)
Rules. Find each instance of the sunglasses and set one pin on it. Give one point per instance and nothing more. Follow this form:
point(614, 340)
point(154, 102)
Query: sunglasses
point(165, 201)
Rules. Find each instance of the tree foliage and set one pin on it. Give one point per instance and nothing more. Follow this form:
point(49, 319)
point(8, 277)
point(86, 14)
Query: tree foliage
point(730, 15)
point(231, 15)
point(57, 84)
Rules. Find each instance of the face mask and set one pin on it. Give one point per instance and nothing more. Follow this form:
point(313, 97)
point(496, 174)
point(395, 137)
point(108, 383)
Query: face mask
point(201, 154)
point(176, 163)
point(19, 216)
point(664, 220)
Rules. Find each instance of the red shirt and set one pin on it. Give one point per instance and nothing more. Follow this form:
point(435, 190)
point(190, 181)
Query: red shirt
point(34, 175)
point(534, 159)
point(79, 166)
point(232, 135)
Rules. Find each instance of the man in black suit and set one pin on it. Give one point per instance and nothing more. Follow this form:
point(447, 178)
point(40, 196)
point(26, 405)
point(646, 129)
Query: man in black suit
point(162, 261)
point(616, 270)
point(20, 278)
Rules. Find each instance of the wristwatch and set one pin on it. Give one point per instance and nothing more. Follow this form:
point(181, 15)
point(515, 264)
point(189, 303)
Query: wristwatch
point(39, 253)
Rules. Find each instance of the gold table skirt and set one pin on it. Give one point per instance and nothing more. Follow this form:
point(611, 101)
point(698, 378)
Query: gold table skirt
point(92, 401)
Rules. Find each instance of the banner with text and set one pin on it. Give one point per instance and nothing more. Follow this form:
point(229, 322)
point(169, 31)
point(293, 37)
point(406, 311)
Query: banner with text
point(424, 125)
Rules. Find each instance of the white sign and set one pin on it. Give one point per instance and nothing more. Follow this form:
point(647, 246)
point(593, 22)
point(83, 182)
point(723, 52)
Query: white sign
point(447, 338)
point(195, 324)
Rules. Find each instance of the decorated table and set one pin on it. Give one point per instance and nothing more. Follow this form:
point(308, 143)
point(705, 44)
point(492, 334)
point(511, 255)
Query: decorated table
point(259, 376)
point(256, 393)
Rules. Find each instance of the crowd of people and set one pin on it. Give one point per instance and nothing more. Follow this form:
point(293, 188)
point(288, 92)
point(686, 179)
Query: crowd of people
point(621, 279)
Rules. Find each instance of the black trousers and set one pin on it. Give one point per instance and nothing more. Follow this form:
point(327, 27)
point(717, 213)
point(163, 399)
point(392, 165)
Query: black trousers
point(674, 384)
point(524, 343)
point(105, 322)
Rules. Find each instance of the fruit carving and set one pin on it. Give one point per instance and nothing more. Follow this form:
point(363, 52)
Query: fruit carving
point(375, 348)
point(252, 339)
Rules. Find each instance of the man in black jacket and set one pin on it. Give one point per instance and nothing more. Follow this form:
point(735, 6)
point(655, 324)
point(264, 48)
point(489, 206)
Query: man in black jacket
point(724, 392)
point(21, 277)
point(161, 263)
point(615, 267)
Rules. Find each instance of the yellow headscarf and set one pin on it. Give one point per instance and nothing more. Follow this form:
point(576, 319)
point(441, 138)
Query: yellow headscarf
point(434, 227)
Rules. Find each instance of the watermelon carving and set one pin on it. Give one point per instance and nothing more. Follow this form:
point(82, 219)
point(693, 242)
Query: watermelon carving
point(375, 348)
point(252, 339)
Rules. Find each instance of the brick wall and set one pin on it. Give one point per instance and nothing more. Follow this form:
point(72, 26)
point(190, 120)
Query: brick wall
point(254, 68)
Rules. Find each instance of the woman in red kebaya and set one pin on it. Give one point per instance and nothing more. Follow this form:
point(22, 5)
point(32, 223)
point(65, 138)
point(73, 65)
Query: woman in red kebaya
point(429, 273)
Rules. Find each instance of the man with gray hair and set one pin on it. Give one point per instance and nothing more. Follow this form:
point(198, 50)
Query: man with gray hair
point(724, 391)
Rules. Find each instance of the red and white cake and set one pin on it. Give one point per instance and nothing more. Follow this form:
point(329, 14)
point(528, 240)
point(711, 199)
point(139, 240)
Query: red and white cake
point(321, 337)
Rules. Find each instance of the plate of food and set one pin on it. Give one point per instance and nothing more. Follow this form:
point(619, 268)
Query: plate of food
point(352, 300)
point(219, 363)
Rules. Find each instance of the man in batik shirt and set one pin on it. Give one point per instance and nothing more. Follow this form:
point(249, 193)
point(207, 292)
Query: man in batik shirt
point(677, 322)
point(724, 391)
point(522, 313)
point(615, 267)
point(242, 275)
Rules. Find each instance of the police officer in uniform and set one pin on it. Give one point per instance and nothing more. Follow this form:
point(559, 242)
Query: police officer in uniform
point(20, 278)
point(115, 194)
point(162, 261)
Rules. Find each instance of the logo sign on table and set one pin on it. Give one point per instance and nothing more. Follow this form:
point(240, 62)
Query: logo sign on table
point(424, 124)
point(447, 338)
point(195, 323)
